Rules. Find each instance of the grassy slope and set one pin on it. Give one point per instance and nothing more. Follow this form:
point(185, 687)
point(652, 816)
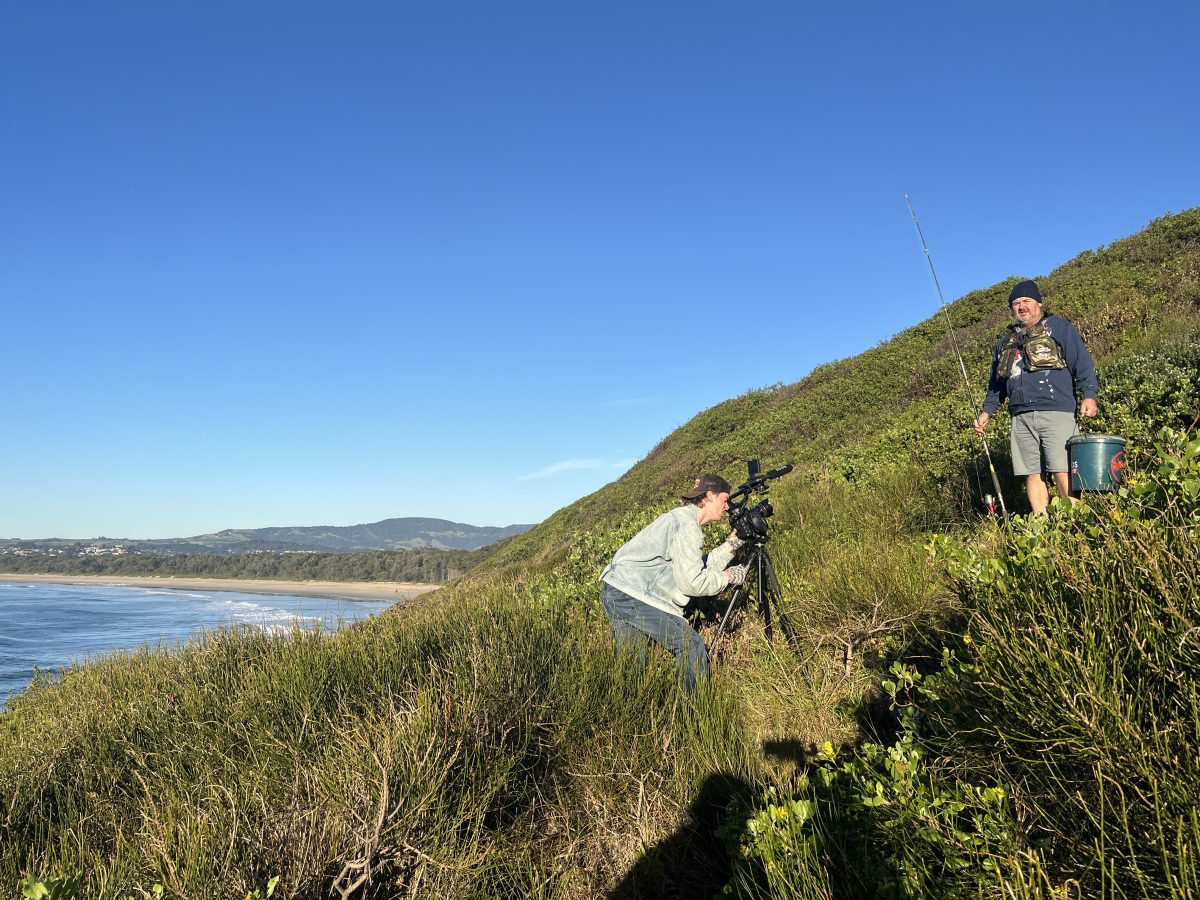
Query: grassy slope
point(1124, 298)
point(489, 743)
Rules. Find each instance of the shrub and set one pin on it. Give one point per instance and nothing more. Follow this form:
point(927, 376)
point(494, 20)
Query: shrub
point(877, 822)
point(1082, 690)
point(1142, 394)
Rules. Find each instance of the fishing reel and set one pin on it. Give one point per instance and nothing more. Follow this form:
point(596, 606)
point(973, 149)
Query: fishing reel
point(750, 522)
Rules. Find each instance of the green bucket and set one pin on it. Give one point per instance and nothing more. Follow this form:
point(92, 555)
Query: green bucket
point(1097, 462)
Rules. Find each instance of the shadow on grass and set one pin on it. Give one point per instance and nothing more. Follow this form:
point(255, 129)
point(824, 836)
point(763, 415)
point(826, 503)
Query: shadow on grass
point(694, 861)
point(787, 750)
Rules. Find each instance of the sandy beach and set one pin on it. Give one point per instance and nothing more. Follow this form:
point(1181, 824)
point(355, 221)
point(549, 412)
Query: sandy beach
point(350, 590)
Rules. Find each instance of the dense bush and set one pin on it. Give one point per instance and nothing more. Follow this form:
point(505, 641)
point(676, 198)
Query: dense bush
point(877, 823)
point(1083, 692)
point(1146, 392)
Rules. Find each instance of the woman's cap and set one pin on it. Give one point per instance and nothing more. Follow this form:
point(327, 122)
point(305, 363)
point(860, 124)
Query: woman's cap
point(706, 483)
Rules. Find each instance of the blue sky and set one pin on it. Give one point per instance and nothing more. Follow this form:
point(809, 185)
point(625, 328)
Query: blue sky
point(313, 263)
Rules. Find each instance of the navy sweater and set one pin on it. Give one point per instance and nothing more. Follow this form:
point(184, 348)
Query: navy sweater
point(1049, 389)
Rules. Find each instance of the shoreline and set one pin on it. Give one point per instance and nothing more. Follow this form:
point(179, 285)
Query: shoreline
point(397, 591)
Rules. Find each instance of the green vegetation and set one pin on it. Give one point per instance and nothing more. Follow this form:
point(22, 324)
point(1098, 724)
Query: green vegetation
point(1083, 683)
point(973, 713)
point(424, 565)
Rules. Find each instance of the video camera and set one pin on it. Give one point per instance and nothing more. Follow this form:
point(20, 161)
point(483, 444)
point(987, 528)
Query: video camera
point(750, 522)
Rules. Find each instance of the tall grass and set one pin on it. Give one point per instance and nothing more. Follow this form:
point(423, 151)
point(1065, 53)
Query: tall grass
point(492, 744)
point(498, 749)
point(496, 744)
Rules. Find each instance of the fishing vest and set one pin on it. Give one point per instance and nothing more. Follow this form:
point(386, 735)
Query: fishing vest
point(1041, 350)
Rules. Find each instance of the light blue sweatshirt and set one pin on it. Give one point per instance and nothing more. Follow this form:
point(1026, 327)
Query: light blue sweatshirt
point(663, 565)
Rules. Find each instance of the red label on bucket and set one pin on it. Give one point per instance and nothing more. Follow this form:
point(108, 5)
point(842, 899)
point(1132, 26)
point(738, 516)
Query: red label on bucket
point(1116, 469)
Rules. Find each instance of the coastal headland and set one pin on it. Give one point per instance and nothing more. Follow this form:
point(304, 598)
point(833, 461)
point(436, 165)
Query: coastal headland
point(397, 591)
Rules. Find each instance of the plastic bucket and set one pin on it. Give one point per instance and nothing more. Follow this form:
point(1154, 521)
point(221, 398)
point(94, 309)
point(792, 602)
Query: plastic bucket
point(1097, 462)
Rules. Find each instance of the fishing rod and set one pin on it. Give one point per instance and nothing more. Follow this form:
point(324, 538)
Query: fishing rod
point(954, 344)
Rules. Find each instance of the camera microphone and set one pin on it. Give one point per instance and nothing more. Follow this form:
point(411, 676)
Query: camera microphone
point(782, 470)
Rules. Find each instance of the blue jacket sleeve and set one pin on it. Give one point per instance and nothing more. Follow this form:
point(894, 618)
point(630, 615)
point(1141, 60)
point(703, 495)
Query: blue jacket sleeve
point(997, 383)
point(1079, 361)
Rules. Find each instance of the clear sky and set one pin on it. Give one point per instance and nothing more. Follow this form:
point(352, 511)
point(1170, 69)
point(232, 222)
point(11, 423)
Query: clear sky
point(299, 263)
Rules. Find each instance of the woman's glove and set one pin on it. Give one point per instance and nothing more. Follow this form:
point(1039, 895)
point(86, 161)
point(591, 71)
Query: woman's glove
point(734, 541)
point(737, 574)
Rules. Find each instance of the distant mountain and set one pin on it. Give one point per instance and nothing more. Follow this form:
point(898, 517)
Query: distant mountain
point(390, 534)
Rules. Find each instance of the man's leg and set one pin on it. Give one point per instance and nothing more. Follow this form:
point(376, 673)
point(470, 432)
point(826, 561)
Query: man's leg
point(691, 656)
point(1057, 428)
point(1062, 483)
point(1026, 447)
point(1039, 495)
point(621, 612)
point(632, 618)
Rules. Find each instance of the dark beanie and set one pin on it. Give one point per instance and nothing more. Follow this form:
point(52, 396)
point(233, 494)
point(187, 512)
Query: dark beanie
point(1025, 289)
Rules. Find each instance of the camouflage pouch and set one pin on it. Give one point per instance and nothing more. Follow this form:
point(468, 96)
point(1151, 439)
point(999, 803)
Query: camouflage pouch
point(1008, 354)
point(1042, 350)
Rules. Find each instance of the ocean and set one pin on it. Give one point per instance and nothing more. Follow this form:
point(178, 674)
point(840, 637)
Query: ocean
point(51, 626)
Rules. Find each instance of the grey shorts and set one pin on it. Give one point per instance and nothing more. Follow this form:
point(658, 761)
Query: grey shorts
point(1039, 441)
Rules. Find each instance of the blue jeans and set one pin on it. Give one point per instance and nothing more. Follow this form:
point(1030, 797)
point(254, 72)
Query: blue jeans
point(634, 621)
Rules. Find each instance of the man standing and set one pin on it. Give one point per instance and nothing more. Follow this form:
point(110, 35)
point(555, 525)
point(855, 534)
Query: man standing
point(651, 578)
point(1037, 367)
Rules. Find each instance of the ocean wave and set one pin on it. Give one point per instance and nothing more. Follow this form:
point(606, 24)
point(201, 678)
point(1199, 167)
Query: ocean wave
point(158, 592)
point(51, 625)
point(241, 607)
point(251, 613)
point(8, 640)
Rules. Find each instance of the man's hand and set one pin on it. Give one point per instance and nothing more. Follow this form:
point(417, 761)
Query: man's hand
point(736, 574)
point(1088, 408)
point(982, 419)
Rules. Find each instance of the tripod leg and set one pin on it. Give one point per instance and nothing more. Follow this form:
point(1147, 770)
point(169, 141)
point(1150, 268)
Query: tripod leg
point(764, 603)
point(788, 630)
point(737, 592)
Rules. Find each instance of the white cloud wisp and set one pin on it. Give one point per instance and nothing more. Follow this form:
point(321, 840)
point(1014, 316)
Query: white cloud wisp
point(579, 465)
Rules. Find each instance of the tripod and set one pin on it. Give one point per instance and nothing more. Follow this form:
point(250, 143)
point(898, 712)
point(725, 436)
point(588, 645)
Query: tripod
point(759, 562)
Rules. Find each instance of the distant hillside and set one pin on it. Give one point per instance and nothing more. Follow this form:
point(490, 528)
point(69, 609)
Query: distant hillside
point(390, 534)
